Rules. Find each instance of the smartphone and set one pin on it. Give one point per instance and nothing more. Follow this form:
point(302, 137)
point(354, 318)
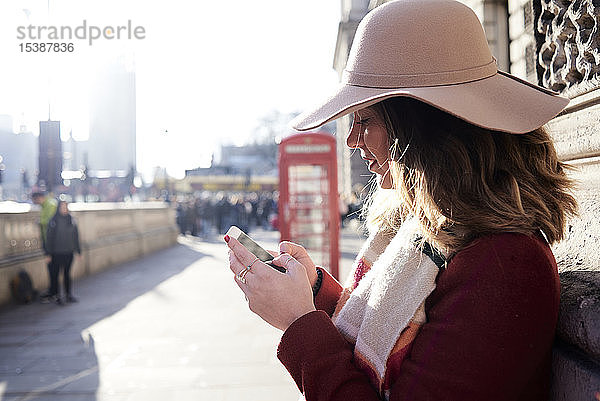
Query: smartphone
point(257, 250)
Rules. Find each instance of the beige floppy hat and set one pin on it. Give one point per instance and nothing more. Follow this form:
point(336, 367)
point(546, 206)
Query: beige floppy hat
point(434, 51)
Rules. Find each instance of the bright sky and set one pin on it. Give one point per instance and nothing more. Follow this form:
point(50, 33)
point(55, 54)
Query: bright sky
point(206, 71)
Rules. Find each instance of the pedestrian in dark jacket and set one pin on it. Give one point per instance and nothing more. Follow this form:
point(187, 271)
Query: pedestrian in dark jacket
point(62, 241)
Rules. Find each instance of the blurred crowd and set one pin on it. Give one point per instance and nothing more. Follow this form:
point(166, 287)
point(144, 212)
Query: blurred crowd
point(208, 213)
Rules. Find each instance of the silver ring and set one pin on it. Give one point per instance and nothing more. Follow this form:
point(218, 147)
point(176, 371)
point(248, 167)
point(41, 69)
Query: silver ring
point(244, 272)
point(242, 275)
point(247, 269)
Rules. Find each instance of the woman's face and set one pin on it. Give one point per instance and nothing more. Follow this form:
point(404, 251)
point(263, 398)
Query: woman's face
point(368, 133)
point(63, 208)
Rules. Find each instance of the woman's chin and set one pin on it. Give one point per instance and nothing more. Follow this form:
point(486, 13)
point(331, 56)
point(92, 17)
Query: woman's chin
point(383, 182)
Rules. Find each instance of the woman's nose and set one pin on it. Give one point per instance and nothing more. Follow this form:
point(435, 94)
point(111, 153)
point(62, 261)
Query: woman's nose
point(354, 140)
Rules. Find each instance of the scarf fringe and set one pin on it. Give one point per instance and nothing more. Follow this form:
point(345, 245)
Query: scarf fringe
point(389, 296)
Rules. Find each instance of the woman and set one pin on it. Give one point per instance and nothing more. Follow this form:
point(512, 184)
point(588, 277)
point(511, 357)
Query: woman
point(61, 243)
point(455, 294)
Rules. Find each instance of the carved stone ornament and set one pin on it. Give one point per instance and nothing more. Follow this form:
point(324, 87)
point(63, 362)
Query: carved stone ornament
point(568, 42)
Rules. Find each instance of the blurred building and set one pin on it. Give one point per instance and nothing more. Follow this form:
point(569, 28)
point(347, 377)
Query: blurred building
point(6, 123)
point(19, 157)
point(50, 161)
point(112, 134)
point(246, 168)
point(109, 155)
point(256, 159)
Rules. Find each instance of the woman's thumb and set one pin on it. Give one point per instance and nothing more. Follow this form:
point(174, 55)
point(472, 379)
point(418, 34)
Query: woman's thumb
point(286, 247)
point(293, 265)
point(293, 249)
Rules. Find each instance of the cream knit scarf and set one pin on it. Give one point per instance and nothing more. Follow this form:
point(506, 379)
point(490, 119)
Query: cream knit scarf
point(389, 296)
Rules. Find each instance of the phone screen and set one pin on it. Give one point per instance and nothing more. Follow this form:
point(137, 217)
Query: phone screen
point(253, 247)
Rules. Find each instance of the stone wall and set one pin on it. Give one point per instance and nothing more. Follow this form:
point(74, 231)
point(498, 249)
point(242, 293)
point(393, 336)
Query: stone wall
point(110, 233)
point(567, 59)
point(577, 348)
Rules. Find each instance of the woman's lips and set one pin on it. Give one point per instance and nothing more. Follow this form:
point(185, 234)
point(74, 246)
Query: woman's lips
point(368, 158)
point(371, 163)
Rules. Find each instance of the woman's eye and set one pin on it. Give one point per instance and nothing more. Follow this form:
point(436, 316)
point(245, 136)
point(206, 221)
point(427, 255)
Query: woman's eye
point(363, 121)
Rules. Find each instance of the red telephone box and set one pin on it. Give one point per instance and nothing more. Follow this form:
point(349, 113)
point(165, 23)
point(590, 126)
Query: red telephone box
point(308, 196)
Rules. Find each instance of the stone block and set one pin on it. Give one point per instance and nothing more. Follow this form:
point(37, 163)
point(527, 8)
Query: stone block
point(519, 69)
point(515, 5)
point(518, 46)
point(580, 249)
point(108, 253)
point(575, 378)
point(575, 132)
point(579, 317)
point(515, 24)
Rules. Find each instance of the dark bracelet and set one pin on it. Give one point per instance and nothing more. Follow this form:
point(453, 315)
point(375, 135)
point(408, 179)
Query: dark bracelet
point(317, 286)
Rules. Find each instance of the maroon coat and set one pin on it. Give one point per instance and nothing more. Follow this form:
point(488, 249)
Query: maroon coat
point(489, 332)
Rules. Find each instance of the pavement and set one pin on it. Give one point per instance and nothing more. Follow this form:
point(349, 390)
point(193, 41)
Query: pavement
point(172, 325)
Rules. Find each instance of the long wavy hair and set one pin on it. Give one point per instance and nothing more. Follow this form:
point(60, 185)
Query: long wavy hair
point(461, 181)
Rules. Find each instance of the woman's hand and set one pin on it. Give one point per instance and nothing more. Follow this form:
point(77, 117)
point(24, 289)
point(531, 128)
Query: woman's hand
point(278, 298)
point(299, 253)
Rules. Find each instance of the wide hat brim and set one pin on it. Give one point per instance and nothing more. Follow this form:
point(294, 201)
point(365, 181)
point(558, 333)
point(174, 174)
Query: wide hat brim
point(501, 102)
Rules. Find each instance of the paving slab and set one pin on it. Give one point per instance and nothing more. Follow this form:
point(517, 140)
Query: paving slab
point(173, 325)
